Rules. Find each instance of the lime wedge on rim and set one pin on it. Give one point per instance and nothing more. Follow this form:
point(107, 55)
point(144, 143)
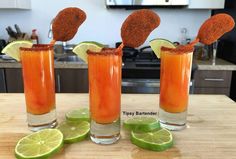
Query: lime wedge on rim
point(41, 144)
point(74, 131)
point(158, 140)
point(81, 114)
point(13, 48)
point(142, 124)
point(82, 48)
point(156, 45)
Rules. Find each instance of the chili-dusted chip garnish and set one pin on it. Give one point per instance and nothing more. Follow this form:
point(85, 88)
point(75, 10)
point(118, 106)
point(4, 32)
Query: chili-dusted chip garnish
point(66, 23)
point(214, 27)
point(138, 26)
point(211, 30)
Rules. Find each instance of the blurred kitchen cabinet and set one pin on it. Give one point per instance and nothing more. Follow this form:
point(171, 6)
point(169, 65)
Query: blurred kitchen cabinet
point(15, 4)
point(71, 80)
point(212, 82)
point(66, 80)
point(3, 88)
point(206, 4)
point(14, 80)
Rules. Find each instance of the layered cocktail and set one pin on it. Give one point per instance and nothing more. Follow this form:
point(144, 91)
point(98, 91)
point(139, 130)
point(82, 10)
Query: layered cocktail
point(105, 94)
point(174, 87)
point(39, 86)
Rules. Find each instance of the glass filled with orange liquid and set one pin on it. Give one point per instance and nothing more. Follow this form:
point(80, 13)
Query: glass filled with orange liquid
point(105, 95)
point(39, 86)
point(174, 88)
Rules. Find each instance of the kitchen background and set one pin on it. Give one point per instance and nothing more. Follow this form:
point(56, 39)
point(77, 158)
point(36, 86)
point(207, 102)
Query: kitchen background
point(140, 72)
point(102, 25)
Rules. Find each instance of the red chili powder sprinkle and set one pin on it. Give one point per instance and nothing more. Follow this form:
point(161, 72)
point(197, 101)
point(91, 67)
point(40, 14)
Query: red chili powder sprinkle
point(66, 23)
point(137, 27)
point(214, 27)
point(106, 51)
point(181, 49)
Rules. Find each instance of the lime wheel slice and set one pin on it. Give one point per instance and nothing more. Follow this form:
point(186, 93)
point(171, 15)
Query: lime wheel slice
point(13, 48)
point(41, 144)
point(158, 140)
point(74, 131)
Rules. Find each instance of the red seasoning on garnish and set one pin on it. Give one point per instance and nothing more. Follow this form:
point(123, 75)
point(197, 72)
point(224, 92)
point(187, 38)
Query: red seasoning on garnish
point(181, 49)
point(214, 27)
point(66, 23)
point(106, 51)
point(137, 27)
point(211, 30)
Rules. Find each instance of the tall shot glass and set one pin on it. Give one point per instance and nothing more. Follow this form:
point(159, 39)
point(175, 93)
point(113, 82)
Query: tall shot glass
point(39, 86)
point(174, 88)
point(105, 95)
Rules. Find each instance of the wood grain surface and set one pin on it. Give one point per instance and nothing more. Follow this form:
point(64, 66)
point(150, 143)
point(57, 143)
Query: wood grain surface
point(211, 130)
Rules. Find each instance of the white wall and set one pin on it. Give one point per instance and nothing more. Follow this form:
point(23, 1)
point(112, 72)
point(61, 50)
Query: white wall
point(102, 25)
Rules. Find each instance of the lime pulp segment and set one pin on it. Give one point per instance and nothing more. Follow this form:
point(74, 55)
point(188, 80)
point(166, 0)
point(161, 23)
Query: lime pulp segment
point(13, 48)
point(142, 124)
point(82, 48)
point(156, 45)
point(159, 140)
point(41, 144)
point(74, 131)
point(81, 114)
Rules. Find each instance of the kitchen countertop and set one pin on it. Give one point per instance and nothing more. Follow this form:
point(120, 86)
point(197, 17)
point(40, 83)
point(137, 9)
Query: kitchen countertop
point(202, 65)
point(61, 65)
point(220, 64)
point(57, 64)
point(210, 132)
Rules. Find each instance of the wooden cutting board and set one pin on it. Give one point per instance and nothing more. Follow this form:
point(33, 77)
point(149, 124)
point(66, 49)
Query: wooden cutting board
point(211, 130)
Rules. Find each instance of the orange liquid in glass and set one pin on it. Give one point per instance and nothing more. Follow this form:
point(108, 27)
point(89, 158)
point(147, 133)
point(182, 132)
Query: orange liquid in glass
point(175, 79)
point(38, 76)
point(104, 86)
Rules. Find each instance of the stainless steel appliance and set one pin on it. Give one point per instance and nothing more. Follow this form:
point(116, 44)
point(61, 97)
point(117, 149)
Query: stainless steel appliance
point(140, 85)
point(141, 71)
point(145, 86)
point(130, 3)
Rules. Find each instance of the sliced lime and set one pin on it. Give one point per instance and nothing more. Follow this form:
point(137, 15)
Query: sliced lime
point(156, 45)
point(142, 124)
point(13, 49)
point(82, 48)
point(81, 114)
point(41, 144)
point(94, 42)
point(74, 131)
point(158, 140)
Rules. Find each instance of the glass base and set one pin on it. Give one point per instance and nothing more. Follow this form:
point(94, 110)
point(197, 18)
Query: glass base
point(105, 133)
point(43, 121)
point(172, 121)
